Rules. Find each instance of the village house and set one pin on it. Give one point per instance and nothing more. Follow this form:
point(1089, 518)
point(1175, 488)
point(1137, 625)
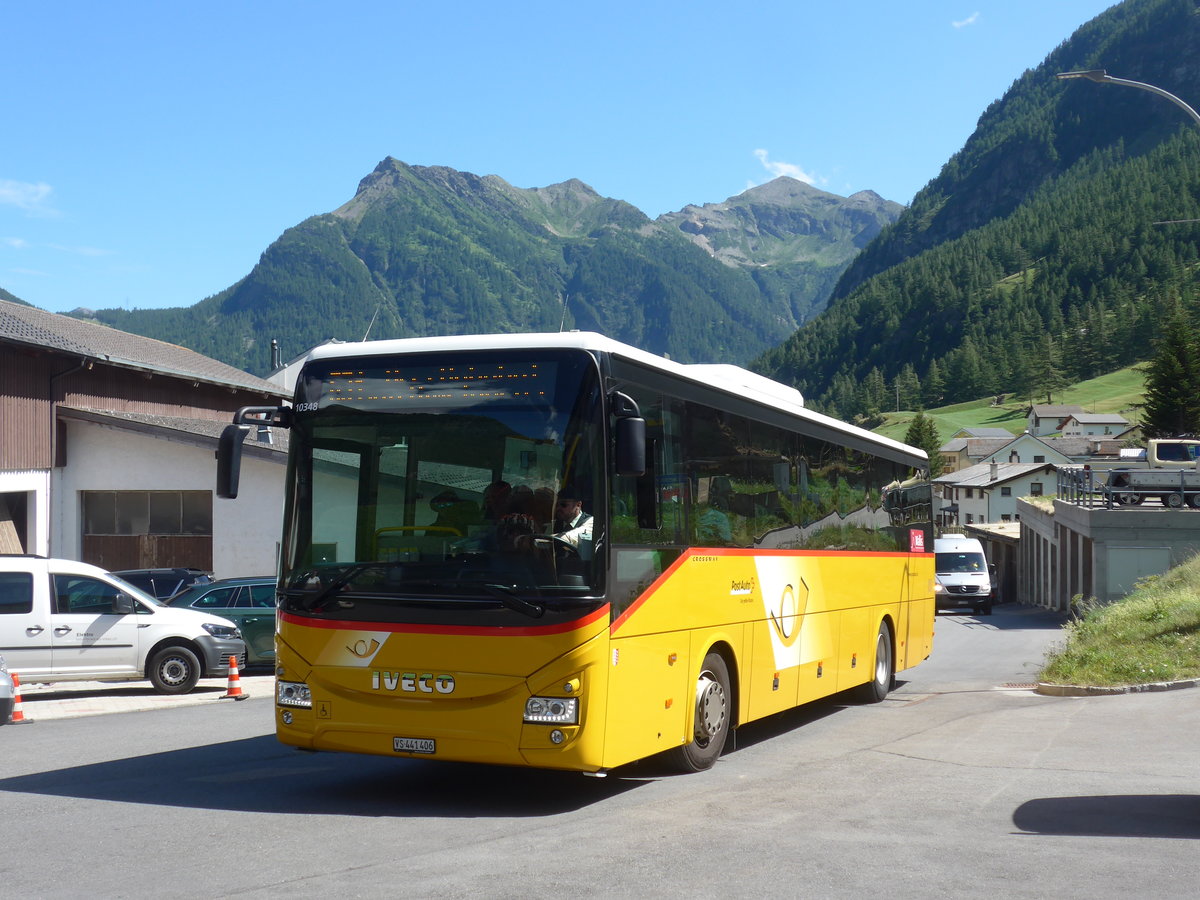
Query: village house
point(107, 443)
point(988, 492)
point(964, 452)
point(1045, 418)
point(1094, 425)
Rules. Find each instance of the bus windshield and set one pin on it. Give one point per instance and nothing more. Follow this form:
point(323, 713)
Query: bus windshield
point(445, 488)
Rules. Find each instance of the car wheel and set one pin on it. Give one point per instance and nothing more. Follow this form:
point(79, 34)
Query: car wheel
point(710, 719)
point(1175, 501)
point(885, 669)
point(174, 670)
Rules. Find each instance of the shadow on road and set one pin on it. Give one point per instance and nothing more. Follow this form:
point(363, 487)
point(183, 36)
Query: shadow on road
point(260, 775)
point(1134, 815)
point(1013, 617)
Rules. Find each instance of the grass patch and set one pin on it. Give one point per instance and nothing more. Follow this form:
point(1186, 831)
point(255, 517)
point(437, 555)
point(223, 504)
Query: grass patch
point(1116, 392)
point(1150, 636)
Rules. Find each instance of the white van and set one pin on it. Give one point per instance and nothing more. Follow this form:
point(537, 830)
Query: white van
point(963, 575)
point(62, 620)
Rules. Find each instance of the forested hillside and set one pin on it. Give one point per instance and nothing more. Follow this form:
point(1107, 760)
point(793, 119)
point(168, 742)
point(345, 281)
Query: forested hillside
point(430, 250)
point(1047, 250)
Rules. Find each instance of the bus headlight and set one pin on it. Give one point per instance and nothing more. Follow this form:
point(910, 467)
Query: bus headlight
point(938, 588)
point(293, 693)
point(552, 710)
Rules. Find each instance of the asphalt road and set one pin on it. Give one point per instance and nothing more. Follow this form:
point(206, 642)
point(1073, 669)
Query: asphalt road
point(963, 783)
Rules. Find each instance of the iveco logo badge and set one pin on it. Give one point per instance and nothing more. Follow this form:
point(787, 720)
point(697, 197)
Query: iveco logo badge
point(412, 683)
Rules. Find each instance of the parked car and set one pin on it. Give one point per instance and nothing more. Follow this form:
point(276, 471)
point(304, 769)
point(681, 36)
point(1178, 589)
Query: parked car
point(163, 584)
point(247, 602)
point(62, 620)
point(8, 694)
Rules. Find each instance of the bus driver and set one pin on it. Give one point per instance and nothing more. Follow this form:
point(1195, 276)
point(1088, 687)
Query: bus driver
point(571, 524)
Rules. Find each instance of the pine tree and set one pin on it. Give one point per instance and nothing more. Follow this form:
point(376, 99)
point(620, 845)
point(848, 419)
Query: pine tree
point(1047, 374)
point(1172, 404)
point(934, 385)
point(922, 433)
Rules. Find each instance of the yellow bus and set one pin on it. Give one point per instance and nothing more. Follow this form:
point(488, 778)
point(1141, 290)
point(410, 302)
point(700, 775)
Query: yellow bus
point(561, 551)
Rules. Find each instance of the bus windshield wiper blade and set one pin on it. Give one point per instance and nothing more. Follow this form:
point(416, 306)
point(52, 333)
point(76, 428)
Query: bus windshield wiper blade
point(327, 592)
point(510, 598)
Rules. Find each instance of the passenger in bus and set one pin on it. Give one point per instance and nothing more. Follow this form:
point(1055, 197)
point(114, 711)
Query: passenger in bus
point(495, 500)
point(454, 514)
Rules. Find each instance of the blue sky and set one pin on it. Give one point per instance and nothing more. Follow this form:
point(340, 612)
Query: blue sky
point(153, 150)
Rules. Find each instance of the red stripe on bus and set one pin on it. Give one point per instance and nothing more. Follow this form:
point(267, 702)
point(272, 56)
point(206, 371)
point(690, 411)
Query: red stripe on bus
point(410, 628)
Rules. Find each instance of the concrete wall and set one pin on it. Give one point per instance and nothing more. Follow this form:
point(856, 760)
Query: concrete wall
point(102, 458)
point(1100, 553)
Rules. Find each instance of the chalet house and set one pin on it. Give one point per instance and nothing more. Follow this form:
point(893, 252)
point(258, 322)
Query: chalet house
point(1094, 425)
point(963, 452)
point(1044, 418)
point(988, 492)
point(107, 443)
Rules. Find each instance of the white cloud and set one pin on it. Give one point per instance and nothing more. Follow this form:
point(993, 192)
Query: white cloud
point(15, 243)
point(969, 20)
point(33, 198)
point(781, 168)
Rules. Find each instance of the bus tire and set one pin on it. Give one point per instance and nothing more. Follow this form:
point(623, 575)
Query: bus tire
point(711, 717)
point(884, 672)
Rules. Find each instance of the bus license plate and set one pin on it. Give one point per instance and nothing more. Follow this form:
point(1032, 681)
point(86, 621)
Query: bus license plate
point(414, 745)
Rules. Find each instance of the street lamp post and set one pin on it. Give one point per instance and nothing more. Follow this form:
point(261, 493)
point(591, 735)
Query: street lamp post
point(1102, 77)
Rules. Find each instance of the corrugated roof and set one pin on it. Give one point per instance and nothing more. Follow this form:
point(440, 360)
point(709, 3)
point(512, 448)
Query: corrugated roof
point(38, 328)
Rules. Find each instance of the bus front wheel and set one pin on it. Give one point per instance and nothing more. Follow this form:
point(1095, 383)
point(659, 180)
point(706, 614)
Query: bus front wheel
point(711, 717)
point(885, 669)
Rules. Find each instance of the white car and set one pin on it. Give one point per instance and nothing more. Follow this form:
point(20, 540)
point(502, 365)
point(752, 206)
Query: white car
point(62, 620)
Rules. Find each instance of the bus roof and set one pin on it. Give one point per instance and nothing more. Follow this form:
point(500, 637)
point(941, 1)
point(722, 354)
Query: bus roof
point(728, 378)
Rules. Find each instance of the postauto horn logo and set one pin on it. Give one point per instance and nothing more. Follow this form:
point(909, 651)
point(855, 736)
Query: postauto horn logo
point(412, 683)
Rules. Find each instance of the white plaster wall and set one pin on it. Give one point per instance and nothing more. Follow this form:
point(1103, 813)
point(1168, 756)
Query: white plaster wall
point(991, 506)
point(36, 484)
point(102, 458)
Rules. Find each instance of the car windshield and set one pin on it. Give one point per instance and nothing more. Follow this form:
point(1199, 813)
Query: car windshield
point(425, 487)
point(960, 563)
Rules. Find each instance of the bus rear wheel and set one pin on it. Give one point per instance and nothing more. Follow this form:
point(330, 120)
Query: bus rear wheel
point(885, 669)
point(710, 719)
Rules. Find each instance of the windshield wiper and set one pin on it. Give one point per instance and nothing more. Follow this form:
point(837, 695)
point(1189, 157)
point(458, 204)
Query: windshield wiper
point(327, 592)
point(510, 598)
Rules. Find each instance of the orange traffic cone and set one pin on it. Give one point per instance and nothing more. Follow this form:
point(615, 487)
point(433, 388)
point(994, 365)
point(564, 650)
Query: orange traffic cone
point(235, 683)
point(18, 713)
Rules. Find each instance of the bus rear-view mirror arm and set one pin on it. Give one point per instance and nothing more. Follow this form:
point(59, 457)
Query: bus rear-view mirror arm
point(233, 437)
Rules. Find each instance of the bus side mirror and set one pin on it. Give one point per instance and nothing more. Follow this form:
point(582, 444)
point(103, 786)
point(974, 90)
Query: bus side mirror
point(229, 460)
point(630, 435)
point(631, 446)
point(229, 447)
